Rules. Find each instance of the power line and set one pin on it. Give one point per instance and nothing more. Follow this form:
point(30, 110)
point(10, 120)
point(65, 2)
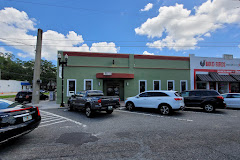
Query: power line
point(103, 40)
point(133, 46)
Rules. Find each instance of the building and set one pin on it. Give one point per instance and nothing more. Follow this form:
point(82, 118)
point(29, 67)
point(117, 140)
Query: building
point(8, 86)
point(221, 74)
point(124, 75)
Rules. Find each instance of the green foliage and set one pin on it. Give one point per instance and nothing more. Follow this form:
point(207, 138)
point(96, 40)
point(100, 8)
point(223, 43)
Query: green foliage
point(16, 69)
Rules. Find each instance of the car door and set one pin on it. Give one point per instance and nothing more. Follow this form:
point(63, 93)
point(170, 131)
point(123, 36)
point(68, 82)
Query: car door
point(228, 99)
point(186, 97)
point(141, 100)
point(236, 100)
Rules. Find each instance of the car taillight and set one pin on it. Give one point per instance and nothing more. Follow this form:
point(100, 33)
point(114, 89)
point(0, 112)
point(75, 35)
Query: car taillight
point(220, 97)
point(27, 96)
point(119, 99)
point(177, 99)
point(38, 111)
point(100, 101)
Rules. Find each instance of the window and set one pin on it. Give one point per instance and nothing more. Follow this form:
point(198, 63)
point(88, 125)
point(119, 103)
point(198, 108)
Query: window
point(156, 85)
point(183, 85)
point(170, 85)
point(201, 85)
point(157, 94)
point(142, 86)
point(143, 94)
point(88, 84)
point(236, 95)
point(185, 94)
point(71, 87)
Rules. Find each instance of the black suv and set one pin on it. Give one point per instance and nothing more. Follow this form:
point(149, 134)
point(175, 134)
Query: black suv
point(27, 96)
point(207, 99)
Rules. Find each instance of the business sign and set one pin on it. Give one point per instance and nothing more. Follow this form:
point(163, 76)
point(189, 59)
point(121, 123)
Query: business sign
point(214, 63)
point(107, 73)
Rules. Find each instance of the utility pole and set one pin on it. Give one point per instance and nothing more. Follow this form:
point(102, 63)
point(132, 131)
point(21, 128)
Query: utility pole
point(37, 65)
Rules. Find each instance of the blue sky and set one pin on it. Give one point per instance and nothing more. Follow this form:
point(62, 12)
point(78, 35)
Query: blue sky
point(159, 27)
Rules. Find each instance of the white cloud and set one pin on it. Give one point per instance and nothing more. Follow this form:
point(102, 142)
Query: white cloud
point(104, 47)
point(22, 55)
point(147, 53)
point(147, 7)
point(15, 26)
point(207, 35)
point(184, 30)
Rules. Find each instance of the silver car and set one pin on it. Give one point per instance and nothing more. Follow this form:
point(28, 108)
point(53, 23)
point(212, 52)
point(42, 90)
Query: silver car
point(232, 100)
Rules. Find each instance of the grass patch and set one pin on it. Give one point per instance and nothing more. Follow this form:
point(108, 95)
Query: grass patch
point(8, 96)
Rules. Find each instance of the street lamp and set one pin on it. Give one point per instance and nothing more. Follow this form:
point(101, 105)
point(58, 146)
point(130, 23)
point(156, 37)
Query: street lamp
point(63, 63)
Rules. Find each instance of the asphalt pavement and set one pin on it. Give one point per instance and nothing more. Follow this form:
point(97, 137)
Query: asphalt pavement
point(141, 134)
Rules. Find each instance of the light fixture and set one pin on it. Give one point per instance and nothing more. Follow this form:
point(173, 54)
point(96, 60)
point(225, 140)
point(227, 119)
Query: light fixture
point(59, 56)
point(66, 57)
point(127, 84)
point(99, 83)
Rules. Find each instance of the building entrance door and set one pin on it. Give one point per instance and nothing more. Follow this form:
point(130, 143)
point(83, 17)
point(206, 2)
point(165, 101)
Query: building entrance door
point(114, 88)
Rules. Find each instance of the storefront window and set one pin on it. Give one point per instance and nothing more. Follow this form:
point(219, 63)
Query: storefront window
point(88, 83)
point(156, 85)
point(223, 87)
point(71, 87)
point(212, 85)
point(235, 87)
point(142, 86)
point(170, 85)
point(183, 85)
point(201, 85)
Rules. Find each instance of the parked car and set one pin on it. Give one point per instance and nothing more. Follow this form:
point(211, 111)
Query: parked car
point(91, 101)
point(164, 101)
point(209, 100)
point(27, 96)
point(232, 100)
point(17, 119)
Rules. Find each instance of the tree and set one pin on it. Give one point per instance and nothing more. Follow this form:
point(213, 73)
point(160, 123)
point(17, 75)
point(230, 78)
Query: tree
point(16, 69)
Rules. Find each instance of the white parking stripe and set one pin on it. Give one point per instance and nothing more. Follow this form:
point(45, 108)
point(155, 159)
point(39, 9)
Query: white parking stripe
point(52, 123)
point(61, 117)
point(152, 115)
point(51, 120)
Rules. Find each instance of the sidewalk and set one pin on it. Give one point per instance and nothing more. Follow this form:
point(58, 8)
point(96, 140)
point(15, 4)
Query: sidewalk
point(52, 104)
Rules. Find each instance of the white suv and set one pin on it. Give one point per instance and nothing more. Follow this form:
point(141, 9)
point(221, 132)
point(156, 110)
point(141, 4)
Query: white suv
point(164, 101)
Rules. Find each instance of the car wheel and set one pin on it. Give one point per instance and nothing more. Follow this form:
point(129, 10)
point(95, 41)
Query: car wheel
point(88, 111)
point(165, 109)
point(130, 106)
point(109, 111)
point(209, 107)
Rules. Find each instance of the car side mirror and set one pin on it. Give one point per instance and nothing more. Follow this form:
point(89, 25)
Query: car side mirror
point(137, 96)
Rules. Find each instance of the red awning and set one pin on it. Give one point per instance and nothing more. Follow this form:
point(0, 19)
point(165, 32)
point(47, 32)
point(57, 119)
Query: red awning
point(116, 75)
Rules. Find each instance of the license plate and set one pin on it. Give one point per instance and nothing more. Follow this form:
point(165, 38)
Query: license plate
point(20, 96)
point(110, 107)
point(27, 118)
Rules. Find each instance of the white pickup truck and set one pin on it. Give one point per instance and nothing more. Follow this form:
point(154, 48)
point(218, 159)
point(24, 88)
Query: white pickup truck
point(164, 101)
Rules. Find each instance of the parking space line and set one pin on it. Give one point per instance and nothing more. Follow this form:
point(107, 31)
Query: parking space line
point(52, 123)
point(51, 120)
point(152, 115)
point(215, 114)
point(61, 117)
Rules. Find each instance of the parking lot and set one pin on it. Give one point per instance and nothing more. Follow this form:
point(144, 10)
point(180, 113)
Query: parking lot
point(141, 134)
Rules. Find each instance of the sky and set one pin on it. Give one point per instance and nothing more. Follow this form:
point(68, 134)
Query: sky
point(207, 28)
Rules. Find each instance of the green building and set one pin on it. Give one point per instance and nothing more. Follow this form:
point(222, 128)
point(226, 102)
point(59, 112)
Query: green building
point(124, 75)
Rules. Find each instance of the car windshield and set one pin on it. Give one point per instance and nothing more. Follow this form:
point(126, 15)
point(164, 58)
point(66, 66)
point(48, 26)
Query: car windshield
point(4, 104)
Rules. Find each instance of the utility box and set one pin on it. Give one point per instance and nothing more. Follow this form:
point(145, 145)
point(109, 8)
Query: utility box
point(52, 96)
